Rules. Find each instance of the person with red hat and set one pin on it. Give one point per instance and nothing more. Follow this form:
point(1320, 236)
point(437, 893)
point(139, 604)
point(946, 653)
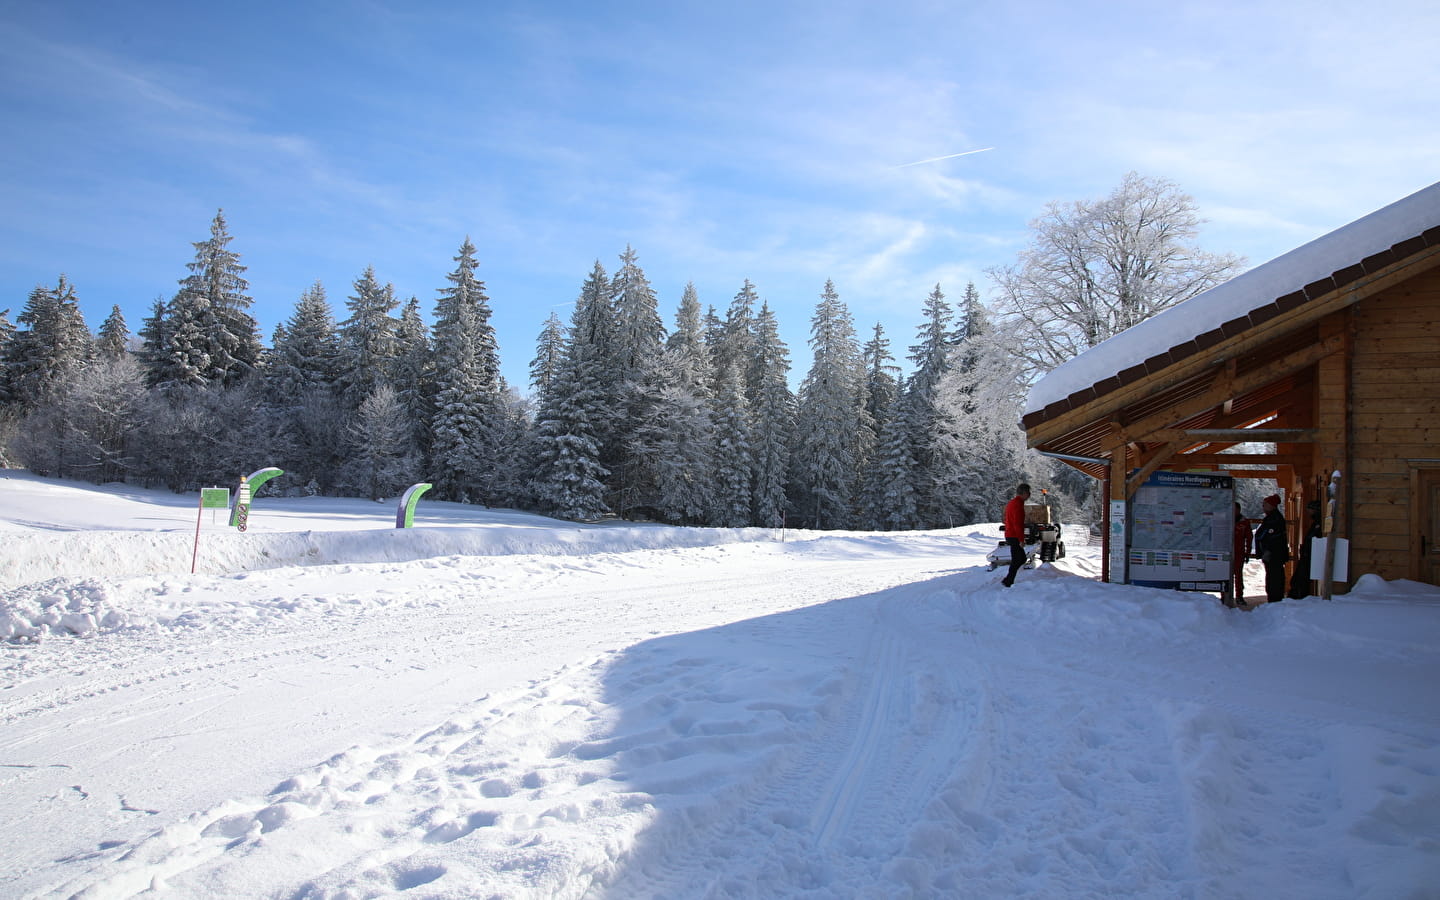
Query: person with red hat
point(1272, 542)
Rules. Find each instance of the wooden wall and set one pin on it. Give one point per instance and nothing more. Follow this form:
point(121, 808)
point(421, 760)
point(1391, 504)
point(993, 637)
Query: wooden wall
point(1394, 413)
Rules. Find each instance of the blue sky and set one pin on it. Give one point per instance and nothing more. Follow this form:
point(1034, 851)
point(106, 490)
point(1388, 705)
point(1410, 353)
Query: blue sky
point(723, 141)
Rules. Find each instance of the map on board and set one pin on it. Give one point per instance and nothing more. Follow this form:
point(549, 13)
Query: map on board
point(1181, 529)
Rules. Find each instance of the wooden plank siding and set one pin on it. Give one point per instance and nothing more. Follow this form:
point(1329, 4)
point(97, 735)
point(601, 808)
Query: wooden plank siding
point(1394, 409)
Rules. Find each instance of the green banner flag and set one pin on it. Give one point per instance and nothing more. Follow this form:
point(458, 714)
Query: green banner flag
point(405, 514)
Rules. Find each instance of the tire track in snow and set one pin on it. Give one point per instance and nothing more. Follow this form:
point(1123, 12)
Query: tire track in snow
point(837, 803)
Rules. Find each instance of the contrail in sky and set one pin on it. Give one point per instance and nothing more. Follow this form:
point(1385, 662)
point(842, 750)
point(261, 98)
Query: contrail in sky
point(938, 158)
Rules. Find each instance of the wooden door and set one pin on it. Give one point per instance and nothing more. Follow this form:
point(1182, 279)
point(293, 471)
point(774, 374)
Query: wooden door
point(1428, 501)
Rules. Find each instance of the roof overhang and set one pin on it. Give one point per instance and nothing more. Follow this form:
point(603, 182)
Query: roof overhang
point(1239, 382)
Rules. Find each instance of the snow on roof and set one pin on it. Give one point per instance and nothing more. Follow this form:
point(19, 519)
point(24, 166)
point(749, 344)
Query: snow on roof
point(1311, 262)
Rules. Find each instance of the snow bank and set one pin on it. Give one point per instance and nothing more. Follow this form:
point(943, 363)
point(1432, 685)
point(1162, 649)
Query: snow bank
point(34, 555)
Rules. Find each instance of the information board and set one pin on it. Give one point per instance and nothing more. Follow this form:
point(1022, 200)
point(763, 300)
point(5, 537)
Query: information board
point(1182, 529)
point(214, 498)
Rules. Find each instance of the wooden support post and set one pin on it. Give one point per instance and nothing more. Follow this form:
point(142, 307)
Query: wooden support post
point(1117, 536)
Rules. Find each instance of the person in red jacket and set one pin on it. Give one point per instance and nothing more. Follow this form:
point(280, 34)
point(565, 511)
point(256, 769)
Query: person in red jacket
point(1015, 531)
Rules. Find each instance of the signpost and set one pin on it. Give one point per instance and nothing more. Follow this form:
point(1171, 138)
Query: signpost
point(239, 514)
point(210, 498)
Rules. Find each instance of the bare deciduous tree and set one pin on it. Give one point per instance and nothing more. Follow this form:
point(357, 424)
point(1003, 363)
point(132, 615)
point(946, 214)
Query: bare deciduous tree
point(1094, 269)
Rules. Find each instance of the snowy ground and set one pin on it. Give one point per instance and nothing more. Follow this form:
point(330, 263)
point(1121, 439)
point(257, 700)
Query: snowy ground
point(496, 704)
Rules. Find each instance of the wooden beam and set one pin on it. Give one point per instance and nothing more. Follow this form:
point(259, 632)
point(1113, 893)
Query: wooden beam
point(1238, 435)
point(1226, 387)
point(1238, 459)
point(1134, 481)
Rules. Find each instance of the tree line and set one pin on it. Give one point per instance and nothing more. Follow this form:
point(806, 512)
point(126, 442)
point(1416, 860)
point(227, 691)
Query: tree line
point(694, 423)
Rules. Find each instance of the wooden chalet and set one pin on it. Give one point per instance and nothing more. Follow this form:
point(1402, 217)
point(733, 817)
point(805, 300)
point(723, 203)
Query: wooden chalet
point(1331, 353)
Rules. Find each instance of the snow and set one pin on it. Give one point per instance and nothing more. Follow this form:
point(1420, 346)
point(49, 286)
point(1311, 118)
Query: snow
point(1263, 284)
point(493, 704)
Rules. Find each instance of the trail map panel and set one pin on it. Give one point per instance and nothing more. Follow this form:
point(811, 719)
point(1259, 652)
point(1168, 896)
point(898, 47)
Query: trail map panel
point(1181, 528)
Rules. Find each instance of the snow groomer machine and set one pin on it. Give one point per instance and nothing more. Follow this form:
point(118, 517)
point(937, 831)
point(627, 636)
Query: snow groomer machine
point(1042, 537)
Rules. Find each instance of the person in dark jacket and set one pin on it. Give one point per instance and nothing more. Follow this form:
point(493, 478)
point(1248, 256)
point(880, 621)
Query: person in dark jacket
point(1300, 578)
point(1241, 552)
point(1273, 544)
point(1015, 531)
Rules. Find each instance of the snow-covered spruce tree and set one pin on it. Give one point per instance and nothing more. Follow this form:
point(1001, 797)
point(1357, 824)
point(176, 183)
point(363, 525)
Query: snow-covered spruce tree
point(670, 441)
point(113, 340)
point(693, 374)
point(734, 459)
point(217, 329)
point(413, 374)
point(469, 408)
point(882, 377)
point(734, 341)
point(772, 422)
point(971, 346)
point(880, 397)
point(639, 339)
point(7, 334)
point(714, 328)
point(185, 358)
point(567, 476)
point(974, 322)
point(50, 347)
point(669, 446)
point(668, 462)
point(980, 447)
point(822, 461)
point(865, 439)
point(155, 349)
point(692, 360)
point(299, 376)
point(1095, 268)
point(593, 332)
point(383, 460)
point(931, 359)
point(549, 351)
point(9, 412)
point(734, 344)
point(367, 340)
point(894, 502)
point(639, 331)
point(304, 352)
point(674, 443)
point(512, 475)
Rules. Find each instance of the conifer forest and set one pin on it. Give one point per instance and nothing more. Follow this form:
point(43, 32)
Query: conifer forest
point(698, 422)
